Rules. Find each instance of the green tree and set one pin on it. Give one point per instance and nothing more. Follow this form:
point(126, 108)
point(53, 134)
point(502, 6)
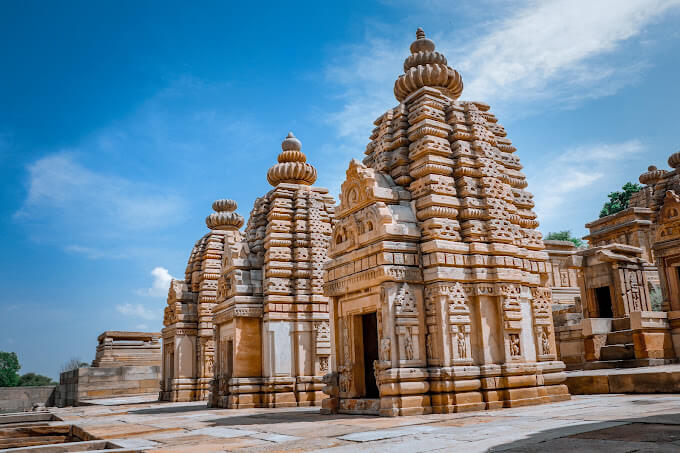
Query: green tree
point(32, 379)
point(9, 365)
point(564, 236)
point(618, 201)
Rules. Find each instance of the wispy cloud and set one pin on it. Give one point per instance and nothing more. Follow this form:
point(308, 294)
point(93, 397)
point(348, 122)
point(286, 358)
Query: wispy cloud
point(552, 49)
point(562, 51)
point(564, 181)
point(159, 286)
point(138, 311)
point(80, 204)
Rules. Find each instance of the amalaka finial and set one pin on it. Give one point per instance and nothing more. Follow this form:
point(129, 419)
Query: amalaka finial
point(224, 217)
point(427, 67)
point(292, 167)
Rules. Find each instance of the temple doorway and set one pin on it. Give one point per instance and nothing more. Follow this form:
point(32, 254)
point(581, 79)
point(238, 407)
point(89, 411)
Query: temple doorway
point(604, 302)
point(229, 359)
point(369, 328)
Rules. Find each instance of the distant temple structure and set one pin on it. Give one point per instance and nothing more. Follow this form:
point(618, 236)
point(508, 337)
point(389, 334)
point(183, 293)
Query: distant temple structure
point(188, 345)
point(438, 278)
point(125, 364)
point(272, 332)
point(629, 282)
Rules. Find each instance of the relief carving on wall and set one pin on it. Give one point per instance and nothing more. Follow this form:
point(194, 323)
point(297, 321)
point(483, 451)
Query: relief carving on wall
point(544, 341)
point(515, 348)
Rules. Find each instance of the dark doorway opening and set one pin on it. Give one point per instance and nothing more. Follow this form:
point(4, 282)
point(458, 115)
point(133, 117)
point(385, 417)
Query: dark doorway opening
point(604, 302)
point(369, 328)
point(230, 358)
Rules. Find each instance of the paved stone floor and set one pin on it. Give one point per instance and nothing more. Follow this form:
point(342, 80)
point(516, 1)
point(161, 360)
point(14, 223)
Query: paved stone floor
point(593, 423)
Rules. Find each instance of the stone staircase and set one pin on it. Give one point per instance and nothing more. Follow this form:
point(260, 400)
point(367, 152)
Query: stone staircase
point(619, 350)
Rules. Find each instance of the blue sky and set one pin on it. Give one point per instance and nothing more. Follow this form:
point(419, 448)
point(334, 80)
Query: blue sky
point(120, 123)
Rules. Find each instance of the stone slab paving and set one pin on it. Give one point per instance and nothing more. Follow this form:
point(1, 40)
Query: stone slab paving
point(590, 423)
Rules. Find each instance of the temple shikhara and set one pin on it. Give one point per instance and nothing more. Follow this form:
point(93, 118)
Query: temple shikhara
point(438, 278)
point(188, 345)
point(272, 332)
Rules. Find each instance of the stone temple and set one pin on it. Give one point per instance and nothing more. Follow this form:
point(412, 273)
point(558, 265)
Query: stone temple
point(188, 345)
point(438, 278)
point(272, 332)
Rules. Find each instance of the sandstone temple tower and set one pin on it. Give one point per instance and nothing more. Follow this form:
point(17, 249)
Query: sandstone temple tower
point(438, 280)
point(188, 345)
point(272, 331)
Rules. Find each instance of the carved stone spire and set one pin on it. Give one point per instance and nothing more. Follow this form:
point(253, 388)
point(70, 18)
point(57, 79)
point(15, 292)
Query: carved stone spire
point(292, 167)
point(426, 67)
point(224, 217)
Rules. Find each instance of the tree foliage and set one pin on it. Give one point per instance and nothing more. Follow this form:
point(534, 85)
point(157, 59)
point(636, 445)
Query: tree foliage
point(9, 365)
point(33, 379)
point(618, 201)
point(564, 236)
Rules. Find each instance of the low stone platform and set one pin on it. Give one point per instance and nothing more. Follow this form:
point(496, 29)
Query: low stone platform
point(78, 386)
point(652, 379)
point(602, 423)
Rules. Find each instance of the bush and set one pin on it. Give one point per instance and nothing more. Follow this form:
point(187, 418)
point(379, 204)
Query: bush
point(618, 201)
point(32, 379)
point(564, 236)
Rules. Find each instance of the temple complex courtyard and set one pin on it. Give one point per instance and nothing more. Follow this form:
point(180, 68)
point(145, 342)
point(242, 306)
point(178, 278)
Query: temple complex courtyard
point(607, 423)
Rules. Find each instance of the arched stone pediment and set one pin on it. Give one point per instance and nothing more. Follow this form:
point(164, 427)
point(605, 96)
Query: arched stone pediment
point(364, 186)
point(669, 218)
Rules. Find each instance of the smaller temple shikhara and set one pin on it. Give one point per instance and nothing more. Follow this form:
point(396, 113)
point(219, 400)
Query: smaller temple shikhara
point(271, 327)
point(188, 344)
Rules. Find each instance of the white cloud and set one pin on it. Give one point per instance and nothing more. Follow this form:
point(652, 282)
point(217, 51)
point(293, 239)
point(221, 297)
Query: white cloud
point(138, 311)
point(84, 208)
point(160, 285)
point(550, 48)
point(563, 51)
point(59, 184)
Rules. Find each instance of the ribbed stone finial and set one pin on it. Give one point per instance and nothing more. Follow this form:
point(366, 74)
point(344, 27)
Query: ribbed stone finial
point(224, 217)
point(292, 167)
point(674, 160)
point(651, 176)
point(427, 67)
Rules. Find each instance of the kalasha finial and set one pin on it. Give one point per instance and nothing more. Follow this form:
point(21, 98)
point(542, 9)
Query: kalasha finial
point(292, 167)
point(426, 67)
point(224, 217)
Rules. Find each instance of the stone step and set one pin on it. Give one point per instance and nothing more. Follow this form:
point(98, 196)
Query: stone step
point(620, 337)
point(630, 363)
point(617, 352)
point(621, 324)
